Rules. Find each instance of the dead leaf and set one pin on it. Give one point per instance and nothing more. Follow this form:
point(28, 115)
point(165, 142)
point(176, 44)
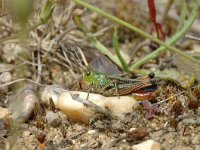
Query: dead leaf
point(103, 65)
point(176, 76)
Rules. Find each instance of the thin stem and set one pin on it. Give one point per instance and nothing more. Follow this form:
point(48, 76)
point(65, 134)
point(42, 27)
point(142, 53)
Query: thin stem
point(191, 37)
point(116, 47)
point(183, 14)
point(144, 34)
point(166, 10)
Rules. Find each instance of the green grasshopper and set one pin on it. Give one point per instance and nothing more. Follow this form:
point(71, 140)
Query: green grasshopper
point(116, 86)
point(108, 85)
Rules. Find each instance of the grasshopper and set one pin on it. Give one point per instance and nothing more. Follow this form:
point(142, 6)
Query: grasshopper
point(116, 86)
point(108, 85)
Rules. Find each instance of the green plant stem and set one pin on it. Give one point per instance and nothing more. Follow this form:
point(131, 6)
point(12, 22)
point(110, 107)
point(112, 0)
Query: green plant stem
point(144, 34)
point(116, 47)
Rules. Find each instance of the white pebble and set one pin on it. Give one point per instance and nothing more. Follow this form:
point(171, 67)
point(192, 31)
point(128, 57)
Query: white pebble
point(3, 112)
point(92, 132)
point(147, 145)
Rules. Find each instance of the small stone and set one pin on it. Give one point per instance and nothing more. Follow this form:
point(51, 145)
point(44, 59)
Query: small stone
point(83, 145)
point(131, 129)
point(26, 133)
point(92, 132)
point(154, 125)
point(23, 103)
point(5, 77)
point(3, 112)
point(53, 119)
point(74, 142)
point(147, 145)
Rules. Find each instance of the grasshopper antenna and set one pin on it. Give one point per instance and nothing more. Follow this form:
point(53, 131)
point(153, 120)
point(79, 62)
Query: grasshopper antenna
point(73, 55)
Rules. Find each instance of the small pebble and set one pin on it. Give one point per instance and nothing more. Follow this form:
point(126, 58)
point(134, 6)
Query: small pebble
point(53, 119)
point(26, 134)
point(23, 103)
point(83, 145)
point(3, 112)
point(147, 145)
point(92, 132)
point(5, 77)
point(131, 129)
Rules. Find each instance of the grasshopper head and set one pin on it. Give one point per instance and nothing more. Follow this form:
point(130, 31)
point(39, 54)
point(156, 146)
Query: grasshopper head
point(88, 76)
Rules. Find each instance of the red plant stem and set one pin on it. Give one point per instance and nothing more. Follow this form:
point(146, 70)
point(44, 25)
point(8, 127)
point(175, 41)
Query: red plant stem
point(152, 13)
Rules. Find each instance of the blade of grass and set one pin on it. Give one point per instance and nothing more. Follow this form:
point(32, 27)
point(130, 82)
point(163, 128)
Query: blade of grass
point(142, 33)
point(116, 47)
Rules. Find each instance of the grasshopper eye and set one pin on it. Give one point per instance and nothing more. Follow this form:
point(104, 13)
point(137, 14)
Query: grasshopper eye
point(151, 75)
point(88, 72)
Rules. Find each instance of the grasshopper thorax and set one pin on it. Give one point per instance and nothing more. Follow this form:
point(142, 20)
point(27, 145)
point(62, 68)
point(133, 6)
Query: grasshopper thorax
point(92, 77)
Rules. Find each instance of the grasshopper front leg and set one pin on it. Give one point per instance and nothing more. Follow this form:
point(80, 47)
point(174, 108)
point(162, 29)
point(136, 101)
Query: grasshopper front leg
point(89, 90)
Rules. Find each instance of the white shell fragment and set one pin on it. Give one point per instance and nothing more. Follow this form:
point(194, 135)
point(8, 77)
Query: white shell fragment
point(81, 110)
point(77, 111)
point(51, 92)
